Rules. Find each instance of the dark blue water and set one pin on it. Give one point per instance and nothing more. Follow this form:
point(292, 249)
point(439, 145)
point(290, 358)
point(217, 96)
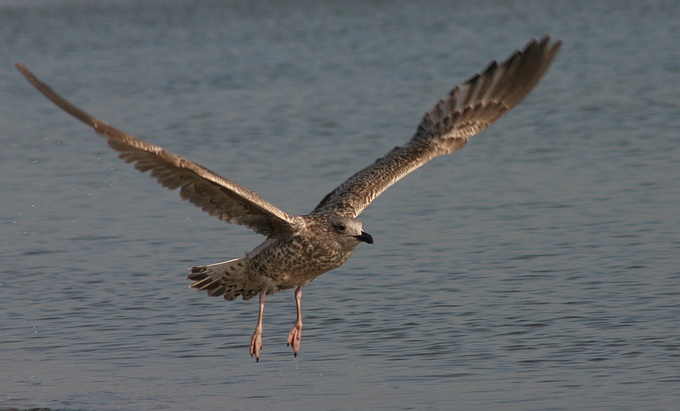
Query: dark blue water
point(538, 268)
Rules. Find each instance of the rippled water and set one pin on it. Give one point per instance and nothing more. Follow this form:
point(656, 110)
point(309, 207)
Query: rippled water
point(538, 268)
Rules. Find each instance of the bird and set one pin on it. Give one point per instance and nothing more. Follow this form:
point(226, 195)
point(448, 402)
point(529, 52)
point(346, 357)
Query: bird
point(299, 248)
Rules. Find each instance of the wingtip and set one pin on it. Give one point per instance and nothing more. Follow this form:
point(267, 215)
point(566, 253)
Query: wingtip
point(27, 73)
point(545, 40)
point(19, 66)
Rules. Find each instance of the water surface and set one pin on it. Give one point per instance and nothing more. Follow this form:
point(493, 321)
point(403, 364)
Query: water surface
point(535, 269)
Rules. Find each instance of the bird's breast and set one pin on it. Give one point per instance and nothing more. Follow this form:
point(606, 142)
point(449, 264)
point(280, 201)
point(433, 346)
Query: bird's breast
point(296, 262)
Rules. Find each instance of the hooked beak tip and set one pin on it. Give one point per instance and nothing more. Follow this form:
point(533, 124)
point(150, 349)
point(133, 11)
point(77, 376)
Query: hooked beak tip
point(365, 237)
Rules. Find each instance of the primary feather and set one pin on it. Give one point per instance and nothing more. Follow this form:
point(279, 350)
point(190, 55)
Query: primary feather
point(468, 109)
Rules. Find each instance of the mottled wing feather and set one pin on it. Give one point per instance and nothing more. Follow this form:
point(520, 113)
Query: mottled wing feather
point(464, 112)
point(214, 194)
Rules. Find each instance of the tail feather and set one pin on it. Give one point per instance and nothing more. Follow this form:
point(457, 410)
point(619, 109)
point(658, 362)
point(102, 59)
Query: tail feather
point(228, 278)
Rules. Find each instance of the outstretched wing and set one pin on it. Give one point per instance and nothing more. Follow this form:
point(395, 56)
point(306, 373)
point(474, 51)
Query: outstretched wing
point(216, 195)
point(464, 112)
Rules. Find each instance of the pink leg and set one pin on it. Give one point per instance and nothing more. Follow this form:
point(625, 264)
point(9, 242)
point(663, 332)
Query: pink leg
point(256, 339)
point(295, 334)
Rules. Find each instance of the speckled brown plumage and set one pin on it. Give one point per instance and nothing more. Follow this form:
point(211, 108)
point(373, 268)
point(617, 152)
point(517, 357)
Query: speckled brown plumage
point(300, 248)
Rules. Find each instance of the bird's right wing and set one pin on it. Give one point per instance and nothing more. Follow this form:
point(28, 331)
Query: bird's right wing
point(464, 112)
point(214, 194)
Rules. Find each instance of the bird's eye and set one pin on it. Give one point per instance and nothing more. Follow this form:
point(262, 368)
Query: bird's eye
point(341, 228)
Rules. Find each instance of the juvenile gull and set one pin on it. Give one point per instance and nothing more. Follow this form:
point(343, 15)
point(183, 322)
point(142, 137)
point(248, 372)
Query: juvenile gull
point(300, 248)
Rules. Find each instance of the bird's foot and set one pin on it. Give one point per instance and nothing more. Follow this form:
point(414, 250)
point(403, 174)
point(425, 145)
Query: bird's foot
point(294, 337)
point(256, 344)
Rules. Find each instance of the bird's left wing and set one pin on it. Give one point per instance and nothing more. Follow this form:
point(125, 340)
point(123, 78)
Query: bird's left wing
point(214, 194)
point(464, 112)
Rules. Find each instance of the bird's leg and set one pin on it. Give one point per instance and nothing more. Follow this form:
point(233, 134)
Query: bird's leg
point(256, 339)
point(295, 334)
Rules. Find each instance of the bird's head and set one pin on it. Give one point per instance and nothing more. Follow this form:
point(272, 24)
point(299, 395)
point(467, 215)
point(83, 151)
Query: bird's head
point(349, 229)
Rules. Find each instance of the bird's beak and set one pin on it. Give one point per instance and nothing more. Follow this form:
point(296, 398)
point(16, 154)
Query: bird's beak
point(365, 237)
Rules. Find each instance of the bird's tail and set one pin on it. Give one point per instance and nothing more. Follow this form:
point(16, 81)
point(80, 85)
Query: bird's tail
point(228, 278)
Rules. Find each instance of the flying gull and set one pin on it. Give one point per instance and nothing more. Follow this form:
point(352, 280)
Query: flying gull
point(300, 248)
